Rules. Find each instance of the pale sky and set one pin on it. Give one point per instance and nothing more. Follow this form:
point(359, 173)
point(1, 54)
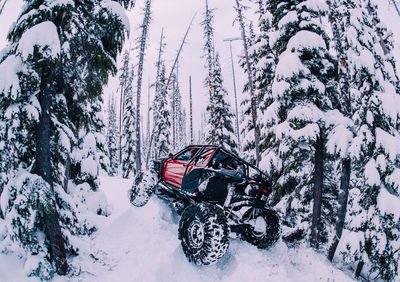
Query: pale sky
point(174, 16)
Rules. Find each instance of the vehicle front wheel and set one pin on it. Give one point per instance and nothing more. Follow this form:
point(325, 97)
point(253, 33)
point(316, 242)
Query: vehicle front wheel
point(142, 188)
point(204, 231)
point(263, 230)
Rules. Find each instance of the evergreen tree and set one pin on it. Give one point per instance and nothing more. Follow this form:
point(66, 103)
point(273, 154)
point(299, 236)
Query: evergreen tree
point(124, 88)
point(161, 117)
point(220, 127)
point(253, 99)
point(304, 93)
point(142, 47)
point(129, 135)
point(372, 226)
point(178, 116)
point(112, 136)
point(263, 61)
point(53, 73)
point(219, 124)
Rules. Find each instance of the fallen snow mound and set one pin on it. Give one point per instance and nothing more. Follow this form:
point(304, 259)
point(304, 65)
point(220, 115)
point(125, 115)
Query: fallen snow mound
point(141, 244)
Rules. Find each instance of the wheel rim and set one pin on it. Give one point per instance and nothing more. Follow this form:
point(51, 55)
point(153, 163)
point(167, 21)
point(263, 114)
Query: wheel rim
point(196, 233)
point(259, 234)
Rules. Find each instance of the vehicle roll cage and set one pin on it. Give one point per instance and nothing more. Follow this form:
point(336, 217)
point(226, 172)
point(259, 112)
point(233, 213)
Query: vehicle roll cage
point(217, 149)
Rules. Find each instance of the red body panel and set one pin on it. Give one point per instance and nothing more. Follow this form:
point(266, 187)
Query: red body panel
point(173, 172)
point(173, 169)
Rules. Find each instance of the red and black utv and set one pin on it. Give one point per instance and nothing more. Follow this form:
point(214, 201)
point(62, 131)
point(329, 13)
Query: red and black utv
point(216, 192)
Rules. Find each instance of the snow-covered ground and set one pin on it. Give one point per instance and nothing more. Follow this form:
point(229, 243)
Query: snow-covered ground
point(141, 244)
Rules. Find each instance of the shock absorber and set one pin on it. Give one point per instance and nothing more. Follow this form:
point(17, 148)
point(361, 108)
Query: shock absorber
point(231, 190)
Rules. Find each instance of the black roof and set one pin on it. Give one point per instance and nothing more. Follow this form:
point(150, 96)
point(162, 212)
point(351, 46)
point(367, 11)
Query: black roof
point(230, 152)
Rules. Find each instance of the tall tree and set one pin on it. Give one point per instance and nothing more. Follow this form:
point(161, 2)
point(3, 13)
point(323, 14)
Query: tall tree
point(2, 4)
point(219, 125)
point(304, 92)
point(178, 116)
point(191, 110)
point(342, 47)
point(112, 136)
point(375, 112)
point(124, 88)
point(219, 121)
point(161, 117)
point(129, 133)
point(53, 75)
point(239, 9)
point(142, 47)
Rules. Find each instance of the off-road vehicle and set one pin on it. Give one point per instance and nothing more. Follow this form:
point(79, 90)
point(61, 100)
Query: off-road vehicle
point(217, 194)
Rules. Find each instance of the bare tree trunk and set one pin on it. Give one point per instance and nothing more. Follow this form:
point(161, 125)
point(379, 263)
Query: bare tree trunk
point(173, 118)
point(191, 110)
point(148, 122)
point(160, 51)
point(43, 169)
point(236, 100)
point(251, 85)
point(67, 174)
point(396, 6)
point(359, 269)
point(2, 4)
point(179, 52)
point(121, 105)
point(1, 212)
point(341, 215)
point(318, 183)
point(143, 39)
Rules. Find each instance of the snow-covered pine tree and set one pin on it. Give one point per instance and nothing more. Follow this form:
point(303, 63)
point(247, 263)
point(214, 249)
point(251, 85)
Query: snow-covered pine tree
point(178, 116)
point(161, 118)
point(124, 87)
point(191, 111)
point(219, 130)
point(112, 136)
point(248, 144)
point(182, 127)
point(142, 47)
point(176, 100)
point(129, 135)
point(263, 61)
point(239, 7)
point(219, 121)
point(303, 91)
point(47, 85)
point(208, 49)
point(345, 107)
point(372, 228)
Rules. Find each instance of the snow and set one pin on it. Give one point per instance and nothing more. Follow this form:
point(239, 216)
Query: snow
point(315, 5)
point(288, 18)
point(306, 39)
point(339, 140)
point(116, 8)
point(372, 174)
point(388, 204)
point(365, 59)
point(9, 78)
point(289, 64)
point(42, 35)
point(89, 166)
point(141, 244)
point(391, 144)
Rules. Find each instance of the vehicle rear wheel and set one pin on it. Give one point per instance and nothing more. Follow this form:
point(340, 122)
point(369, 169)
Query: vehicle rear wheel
point(142, 188)
point(264, 228)
point(203, 230)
